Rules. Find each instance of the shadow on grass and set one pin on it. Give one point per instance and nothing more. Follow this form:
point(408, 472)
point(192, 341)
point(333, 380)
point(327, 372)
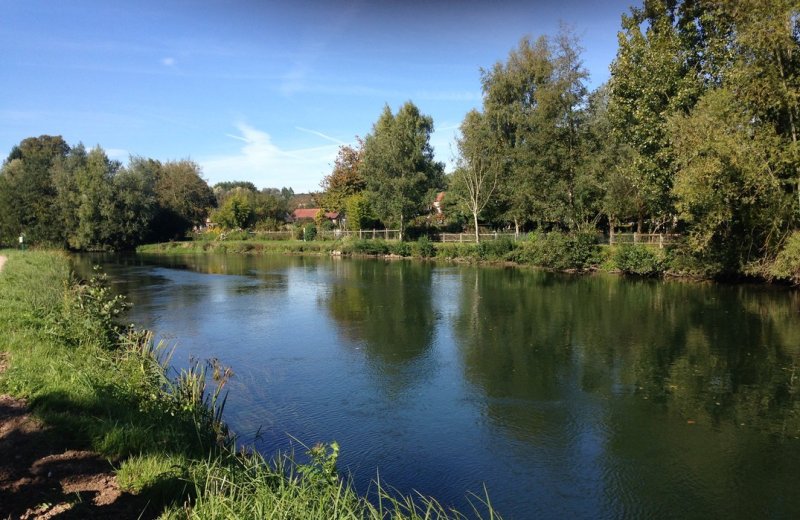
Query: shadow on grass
point(46, 468)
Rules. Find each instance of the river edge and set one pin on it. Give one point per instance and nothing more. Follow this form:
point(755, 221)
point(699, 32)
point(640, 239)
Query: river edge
point(450, 256)
point(158, 439)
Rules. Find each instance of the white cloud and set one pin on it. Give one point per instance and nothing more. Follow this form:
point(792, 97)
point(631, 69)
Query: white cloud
point(168, 61)
point(117, 154)
point(265, 164)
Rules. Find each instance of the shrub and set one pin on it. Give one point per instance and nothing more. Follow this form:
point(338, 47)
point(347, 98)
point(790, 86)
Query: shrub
point(640, 260)
point(367, 247)
point(237, 234)
point(309, 232)
point(496, 249)
point(557, 250)
point(458, 250)
point(787, 263)
point(400, 248)
point(424, 247)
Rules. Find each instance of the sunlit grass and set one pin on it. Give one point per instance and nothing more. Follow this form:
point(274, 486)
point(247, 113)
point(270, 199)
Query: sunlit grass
point(109, 388)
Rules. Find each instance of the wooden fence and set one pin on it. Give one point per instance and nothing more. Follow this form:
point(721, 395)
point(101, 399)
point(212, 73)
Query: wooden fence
point(659, 240)
point(364, 234)
point(467, 238)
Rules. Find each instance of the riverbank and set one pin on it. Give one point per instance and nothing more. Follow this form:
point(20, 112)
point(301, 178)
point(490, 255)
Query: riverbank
point(81, 386)
point(553, 251)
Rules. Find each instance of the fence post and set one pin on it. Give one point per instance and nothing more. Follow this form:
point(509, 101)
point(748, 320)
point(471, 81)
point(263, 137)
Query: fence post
point(461, 237)
point(635, 237)
point(661, 241)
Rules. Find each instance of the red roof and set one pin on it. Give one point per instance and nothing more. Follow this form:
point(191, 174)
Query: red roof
point(311, 213)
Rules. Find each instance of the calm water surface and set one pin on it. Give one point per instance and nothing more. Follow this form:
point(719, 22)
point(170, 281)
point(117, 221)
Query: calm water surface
point(585, 397)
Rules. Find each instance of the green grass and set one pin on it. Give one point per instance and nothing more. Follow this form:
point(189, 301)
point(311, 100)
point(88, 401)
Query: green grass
point(105, 387)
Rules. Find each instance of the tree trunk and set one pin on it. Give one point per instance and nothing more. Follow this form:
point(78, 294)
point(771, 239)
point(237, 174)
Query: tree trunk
point(401, 227)
point(477, 234)
point(516, 228)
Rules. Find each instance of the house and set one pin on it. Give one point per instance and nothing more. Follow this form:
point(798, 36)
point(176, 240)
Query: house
point(301, 214)
point(437, 204)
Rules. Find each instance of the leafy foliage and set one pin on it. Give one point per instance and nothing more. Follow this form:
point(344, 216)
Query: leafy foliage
point(639, 260)
point(401, 174)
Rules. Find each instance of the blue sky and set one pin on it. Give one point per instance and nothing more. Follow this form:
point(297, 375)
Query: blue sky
point(262, 91)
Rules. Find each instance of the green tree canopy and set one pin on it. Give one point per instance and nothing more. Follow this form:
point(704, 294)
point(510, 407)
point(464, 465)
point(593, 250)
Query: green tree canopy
point(345, 180)
point(398, 166)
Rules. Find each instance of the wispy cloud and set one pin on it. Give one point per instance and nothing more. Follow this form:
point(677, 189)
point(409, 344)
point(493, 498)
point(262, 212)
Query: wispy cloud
point(168, 61)
point(320, 134)
point(265, 164)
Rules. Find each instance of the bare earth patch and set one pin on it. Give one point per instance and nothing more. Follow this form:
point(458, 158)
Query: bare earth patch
point(42, 477)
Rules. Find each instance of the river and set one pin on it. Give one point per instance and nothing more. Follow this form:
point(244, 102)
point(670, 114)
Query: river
point(588, 396)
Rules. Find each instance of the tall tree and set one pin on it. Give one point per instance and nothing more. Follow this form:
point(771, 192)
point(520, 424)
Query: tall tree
point(184, 199)
point(726, 187)
point(533, 103)
point(398, 165)
point(475, 180)
point(27, 194)
point(90, 195)
point(651, 79)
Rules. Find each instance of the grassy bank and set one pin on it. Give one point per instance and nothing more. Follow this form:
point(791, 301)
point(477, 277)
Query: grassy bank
point(108, 388)
point(557, 251)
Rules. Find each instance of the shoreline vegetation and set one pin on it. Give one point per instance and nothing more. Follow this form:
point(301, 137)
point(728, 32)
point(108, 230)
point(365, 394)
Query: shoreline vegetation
point(97, 385)
point(554, 251)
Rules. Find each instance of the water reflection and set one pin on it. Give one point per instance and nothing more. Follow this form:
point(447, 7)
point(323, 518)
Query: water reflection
point(386, 310)
point(587, 396)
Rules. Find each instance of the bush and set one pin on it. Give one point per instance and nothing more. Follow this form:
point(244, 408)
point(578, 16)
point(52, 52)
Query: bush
point(367, 247)
point(400, 248)
point(639, 260)
point(455, 250)
point(496, 249)
point(309, 232)
point(787, 263)
point(424, 247)
point(556, 250)
point(237, 234)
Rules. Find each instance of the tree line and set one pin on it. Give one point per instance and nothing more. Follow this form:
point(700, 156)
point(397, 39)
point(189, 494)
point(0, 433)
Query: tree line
point(67, 196)
point(696, 132)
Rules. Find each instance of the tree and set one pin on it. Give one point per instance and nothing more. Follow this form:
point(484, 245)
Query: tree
point(476, 179)
point(765, 74)
point(184, 199)
point(398, 166)
point(235, 213)
point(134, 205)
point(726, 186)
point(27, 194)
point(345, 179)
point(533, 105)
point(651, 78)
point(359, 212)
point(89, 205)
